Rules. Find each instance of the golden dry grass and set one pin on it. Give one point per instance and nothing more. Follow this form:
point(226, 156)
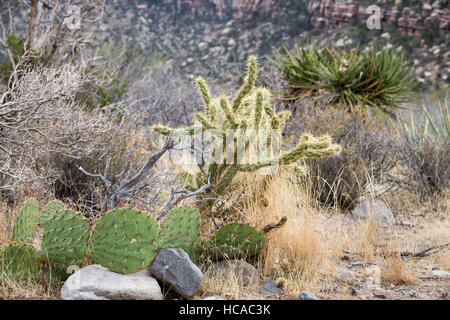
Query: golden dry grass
point(305, 253)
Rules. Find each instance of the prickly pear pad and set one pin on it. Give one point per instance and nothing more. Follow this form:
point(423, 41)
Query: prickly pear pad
point(50, 209)
point(27, 220)
point(180, 228)
point(236, 240)
point(66, 233)
point(125, 240)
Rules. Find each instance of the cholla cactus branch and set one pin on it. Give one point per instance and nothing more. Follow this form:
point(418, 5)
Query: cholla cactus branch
point(232, 130)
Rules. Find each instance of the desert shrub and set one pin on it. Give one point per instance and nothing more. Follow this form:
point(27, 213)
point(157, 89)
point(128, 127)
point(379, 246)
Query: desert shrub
point(425, 141)
point(366, 154)
point(163, 95)
point(347, 78)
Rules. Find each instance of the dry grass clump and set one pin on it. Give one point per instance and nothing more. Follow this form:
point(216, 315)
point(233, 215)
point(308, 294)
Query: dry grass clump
point(397, 270)
point(11, 289)
point(299, 251)
point(367, 154)
point(225, 283)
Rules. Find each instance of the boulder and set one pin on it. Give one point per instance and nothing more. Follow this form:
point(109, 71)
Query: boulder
point(174, 268)
point(244, 272)
point(305, 295)
point(375, 209)
point(96, 282)
point(270, 287)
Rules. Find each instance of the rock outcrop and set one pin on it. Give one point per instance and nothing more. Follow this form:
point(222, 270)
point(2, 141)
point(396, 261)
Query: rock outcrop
point(243, 9)
point(411, 21)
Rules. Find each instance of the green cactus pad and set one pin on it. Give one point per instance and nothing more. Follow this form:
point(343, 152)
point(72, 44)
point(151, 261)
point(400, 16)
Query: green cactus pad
point(196, 250)
point(50, 209)
point(64, 243)
point(20, 262)
point(180, 228)
point(236, 240)
point(27, 220)
point(125, 240)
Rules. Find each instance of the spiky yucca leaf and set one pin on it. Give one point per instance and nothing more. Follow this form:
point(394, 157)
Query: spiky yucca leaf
point(347, 78)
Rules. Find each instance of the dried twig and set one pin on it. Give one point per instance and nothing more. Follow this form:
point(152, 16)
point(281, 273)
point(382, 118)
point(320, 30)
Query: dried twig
point(423, 253)
point(274, 225)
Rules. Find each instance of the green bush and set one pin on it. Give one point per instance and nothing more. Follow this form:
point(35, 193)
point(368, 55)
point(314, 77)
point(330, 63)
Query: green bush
point(347, 78)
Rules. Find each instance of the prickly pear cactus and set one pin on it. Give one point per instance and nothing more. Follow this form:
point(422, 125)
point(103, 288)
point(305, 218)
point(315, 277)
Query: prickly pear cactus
point(125, 240)
point(64, 243)
point(50, 209)
point(180, 228)
point(236, 240)
point(27, 220)
point(20, 262)
point(196, 250)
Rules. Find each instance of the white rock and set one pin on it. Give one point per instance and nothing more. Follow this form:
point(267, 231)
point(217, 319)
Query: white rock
point(214, 298)
point(231, 42)
point(440, 274)
point(96, 282)
point(226, 31)
point(386, 36)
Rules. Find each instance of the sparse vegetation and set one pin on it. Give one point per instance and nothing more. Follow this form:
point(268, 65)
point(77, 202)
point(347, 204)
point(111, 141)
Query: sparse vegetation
point(101, 160)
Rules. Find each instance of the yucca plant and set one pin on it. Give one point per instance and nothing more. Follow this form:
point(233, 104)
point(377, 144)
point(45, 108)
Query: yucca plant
point(434, 125)
point(348, 78)
point(425, 150)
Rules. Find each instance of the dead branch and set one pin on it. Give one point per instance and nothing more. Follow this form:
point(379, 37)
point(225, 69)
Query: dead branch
point(423, 253)
point(171, 202)
point(274, 225)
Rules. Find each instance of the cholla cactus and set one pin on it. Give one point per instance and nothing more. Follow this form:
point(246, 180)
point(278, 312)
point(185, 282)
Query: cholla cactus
point(240, 126)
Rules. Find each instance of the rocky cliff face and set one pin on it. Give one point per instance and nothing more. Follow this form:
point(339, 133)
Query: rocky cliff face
point(331, 13)
point(409, 20)
point(237, 9)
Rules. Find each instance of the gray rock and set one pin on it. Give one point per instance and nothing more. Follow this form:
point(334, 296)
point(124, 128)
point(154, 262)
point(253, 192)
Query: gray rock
point(270, 287)
point(96, 282)
point(379, 295)
point(305, 295)
point(243, 271)
point(174, 268)
point(373, 208)
point(406, 223)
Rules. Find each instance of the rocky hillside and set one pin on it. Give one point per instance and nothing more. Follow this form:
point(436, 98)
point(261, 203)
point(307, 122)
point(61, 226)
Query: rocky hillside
point(203, 36)
point(410, 17)
point(222, 33)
